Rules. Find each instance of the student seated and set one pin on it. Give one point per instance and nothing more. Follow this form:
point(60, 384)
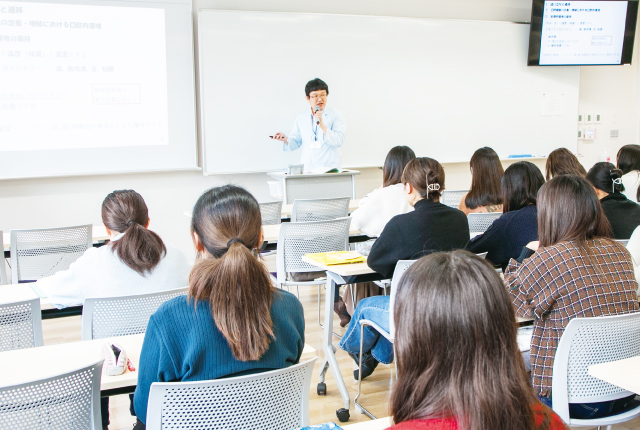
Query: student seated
point(563, 162)
point(505, 238)
point(233, 320)
point(431, 227)
point(458, 369)
point(382, 204)
point(634, 249)
point(374, 212)
point(628, 161)
point(623, 214)
point(486, 173)
point(135, 261)
point(574, 271)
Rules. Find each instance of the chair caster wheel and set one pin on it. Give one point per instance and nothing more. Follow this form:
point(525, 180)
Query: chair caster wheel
point(343, 415)
point(322, 389)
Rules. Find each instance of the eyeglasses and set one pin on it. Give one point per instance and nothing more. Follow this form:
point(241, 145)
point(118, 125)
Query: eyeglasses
point(316, 96)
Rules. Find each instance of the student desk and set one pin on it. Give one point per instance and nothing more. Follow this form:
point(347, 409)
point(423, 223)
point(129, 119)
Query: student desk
point(379, 424)
point(288, 209)
point(99, 236)
point(337, 276)
point(20, 292)
point(45, 361)
point(622, 373)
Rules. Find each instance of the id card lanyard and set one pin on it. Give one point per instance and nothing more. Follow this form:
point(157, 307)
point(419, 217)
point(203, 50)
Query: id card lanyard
point(314, 127)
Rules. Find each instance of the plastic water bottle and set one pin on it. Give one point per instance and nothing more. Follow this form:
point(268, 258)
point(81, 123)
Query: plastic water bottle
point(605, 155)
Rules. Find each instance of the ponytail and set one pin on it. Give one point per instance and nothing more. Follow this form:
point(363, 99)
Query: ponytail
point(140, 249)
point(227, 223)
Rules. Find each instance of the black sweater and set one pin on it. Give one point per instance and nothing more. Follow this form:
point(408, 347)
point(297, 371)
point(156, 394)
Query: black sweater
point(505, 238)
point(622, 213)
point(431, 227)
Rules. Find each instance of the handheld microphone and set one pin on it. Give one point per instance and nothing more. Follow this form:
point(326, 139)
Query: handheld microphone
point(317, 109)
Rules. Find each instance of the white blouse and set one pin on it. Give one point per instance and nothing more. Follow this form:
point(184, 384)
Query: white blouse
point(631, 181)
point(99, 272)
point(634, 249)
point(378, 207)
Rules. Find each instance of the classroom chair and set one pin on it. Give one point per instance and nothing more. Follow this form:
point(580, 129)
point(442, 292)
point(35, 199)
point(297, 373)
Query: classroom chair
point(3, 271)
point(452, 198)
point(20, 325)
point(39, 253)
point(624, 242)
point(271, 213)
point(479, 223)
point(124, 315)
point(585, 342)
point(278, 399)
point(401, 267)
point(319, 209)
point(299, 238)
point(59, 402)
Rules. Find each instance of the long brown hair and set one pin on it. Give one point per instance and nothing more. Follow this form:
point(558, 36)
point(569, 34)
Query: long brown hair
point(395, 163)
point(563, 162)
point(520, 185)
point(628, 158)
point(424, 172)
point(228, 275)
point(456, 349)
point(486, 175)
point(126, 212)
point(569, 210)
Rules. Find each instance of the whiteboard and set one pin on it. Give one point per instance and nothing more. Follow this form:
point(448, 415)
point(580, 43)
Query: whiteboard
point(442, 87)
point(110, 89)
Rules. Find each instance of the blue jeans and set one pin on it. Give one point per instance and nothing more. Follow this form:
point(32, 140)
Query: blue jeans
point(375, 309)
point(585, 411)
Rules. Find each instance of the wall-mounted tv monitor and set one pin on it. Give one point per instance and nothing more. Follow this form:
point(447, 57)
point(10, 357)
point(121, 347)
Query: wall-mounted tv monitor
point(582, 33)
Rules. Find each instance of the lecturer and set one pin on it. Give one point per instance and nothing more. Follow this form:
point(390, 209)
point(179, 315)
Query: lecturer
point(319, 131)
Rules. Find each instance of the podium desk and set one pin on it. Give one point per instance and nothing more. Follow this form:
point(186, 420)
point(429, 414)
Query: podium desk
point(317, 185)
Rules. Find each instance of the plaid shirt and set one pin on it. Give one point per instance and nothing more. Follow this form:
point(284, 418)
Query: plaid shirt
point(559, 283)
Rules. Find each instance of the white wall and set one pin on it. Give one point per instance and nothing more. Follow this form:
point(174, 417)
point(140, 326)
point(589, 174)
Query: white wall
point(32, 203)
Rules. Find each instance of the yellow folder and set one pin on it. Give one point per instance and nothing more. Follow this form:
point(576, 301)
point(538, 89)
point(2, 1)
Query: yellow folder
point(337, 257)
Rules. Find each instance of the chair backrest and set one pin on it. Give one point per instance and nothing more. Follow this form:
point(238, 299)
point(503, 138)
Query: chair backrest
point(121, 316)
point(271, 213)
point(276, 400)
point(67, 401)
point(36, 254)
point(479, 223)
point(299, 238)
point(589, 341)
point(3, 271)
point(319, 209)
point(624, 242)
point(401, 267)
point(20, 325)
point(452, 198)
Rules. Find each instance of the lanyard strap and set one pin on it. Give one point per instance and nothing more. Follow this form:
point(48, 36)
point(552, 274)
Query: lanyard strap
point(314, 128)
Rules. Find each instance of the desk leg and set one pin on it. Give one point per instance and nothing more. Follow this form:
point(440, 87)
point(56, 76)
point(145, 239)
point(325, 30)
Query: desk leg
point(330, 361)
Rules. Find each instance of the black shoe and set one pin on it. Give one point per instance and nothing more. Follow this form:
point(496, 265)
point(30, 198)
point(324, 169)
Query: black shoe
point(341, 309)
point(369, 364)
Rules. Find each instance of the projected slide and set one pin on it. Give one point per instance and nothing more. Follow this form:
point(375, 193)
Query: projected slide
point(81, 76)
point(583, 32)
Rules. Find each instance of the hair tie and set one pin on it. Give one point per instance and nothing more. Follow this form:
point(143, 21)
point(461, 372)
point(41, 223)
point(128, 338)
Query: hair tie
point(131, 221)
point(617, 181)
point(234, 240)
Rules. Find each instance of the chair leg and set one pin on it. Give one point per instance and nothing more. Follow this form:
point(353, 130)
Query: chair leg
point(359, 407)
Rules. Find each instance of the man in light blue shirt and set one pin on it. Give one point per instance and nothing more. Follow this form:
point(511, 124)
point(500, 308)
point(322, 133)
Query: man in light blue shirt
point(319, 131)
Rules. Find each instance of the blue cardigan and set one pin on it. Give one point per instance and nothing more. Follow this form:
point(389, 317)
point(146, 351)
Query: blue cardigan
point(184, 344)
